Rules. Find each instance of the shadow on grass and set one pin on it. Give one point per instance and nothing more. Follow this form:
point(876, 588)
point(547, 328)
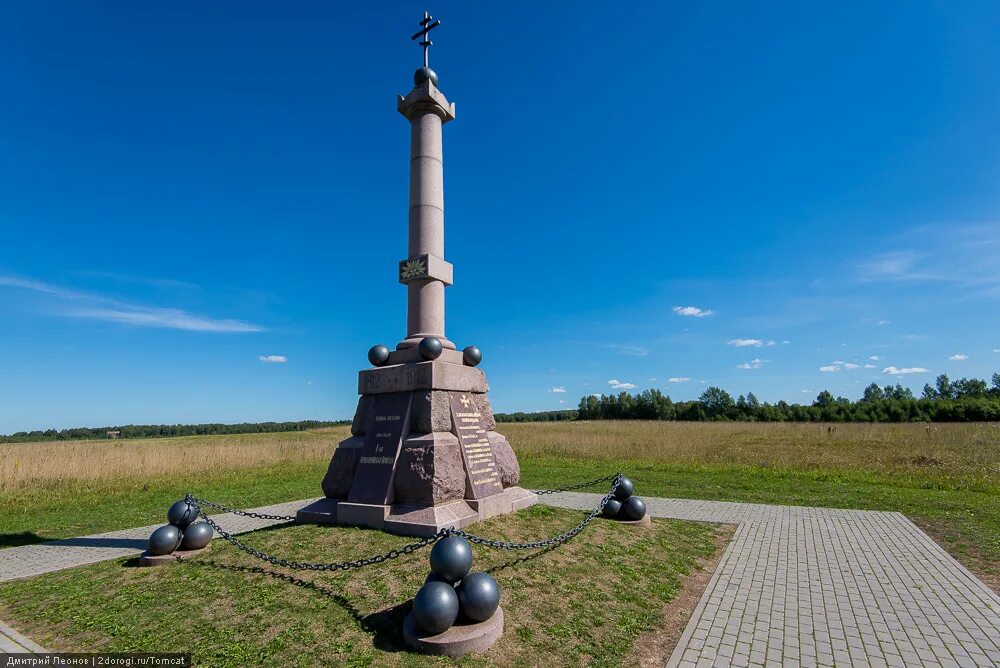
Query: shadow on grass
point(384, 625)
point(522, 560)
point(22, 538)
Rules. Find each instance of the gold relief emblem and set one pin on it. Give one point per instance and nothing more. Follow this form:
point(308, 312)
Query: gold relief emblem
point(413, 269)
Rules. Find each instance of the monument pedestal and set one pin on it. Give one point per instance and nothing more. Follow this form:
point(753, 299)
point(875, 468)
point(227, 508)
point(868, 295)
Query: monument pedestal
point(423, 454)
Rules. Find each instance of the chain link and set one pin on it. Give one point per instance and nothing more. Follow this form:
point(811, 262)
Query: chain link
point(305, 566)
point(548, 542)
point(406, 549)
point(543, 492)
point(245, 513)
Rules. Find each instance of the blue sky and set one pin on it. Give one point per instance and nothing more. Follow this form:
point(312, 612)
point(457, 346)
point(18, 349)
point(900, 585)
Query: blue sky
point(770, 197)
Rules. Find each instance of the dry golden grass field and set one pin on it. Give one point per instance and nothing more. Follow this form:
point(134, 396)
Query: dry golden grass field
point(958, 451)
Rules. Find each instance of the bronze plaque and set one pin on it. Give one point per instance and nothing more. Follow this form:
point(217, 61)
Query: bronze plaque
point(377, 461)
point(482, 473)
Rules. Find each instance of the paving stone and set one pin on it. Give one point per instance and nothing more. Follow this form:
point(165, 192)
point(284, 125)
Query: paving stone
point(863, 586)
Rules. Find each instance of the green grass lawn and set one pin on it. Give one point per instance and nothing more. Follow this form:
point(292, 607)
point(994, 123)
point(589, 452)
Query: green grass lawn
point(963, 516)
point(586, 602)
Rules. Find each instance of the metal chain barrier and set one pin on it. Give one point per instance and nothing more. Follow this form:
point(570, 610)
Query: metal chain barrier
point(245, 513)
point(406, 549)
point(542, 492)
point(548, 542)
point(304, 566)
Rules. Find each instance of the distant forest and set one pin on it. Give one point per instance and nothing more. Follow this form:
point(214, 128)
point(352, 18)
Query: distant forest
point(964, 400)
point(164, 430)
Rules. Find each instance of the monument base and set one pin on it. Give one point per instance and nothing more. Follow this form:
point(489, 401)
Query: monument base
point(410, 520)
point(459, 640)
point(147, 559)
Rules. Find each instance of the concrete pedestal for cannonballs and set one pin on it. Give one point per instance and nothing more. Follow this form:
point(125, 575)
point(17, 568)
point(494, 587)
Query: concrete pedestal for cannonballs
point(147, 559)
point(457, 641)
point(646, 522)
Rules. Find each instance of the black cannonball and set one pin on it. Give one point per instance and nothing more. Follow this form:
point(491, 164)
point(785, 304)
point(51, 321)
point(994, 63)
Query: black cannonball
point(451, 558)
point(430, 347)
point(182, 514)
point(164, 540)
point(196, 536)
point(472, 355)
point(624, 489)
point(434, 577)
point(378, 355)
point(633, 509)
point(435, 607)
point(612, 508)
point(478, 596)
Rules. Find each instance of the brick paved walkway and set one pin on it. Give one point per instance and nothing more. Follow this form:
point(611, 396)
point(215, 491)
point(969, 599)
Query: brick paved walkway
point(823, 587)
point(28, 560)
point(796, 587)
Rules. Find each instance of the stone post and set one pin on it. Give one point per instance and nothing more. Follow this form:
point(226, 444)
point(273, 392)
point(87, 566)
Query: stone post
point(425, 271)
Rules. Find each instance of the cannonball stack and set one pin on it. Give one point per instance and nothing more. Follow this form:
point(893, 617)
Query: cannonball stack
point(182, 534)
point(624, 506)
point(451, 593)
point(455, 611)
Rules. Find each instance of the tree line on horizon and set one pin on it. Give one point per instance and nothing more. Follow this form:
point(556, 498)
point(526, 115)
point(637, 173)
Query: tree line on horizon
point(165, 430)
point(963, 400)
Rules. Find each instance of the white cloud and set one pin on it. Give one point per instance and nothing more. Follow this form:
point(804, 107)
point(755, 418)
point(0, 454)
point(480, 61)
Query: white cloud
point(693, 311)
point(870, 366)
point(678, 379)
point(958, 357)
point(830, 368)
point(996, 350)
point(558, 390)
point(164, 318)
point(805, 391)
point(627, 349)
point(749, 343)
point(652, 380)
point(838, 362)
point(755, 363)
point(98, 307)
point(883, 322)
point(893, 371)
point(875, 358)
point(785, 342)
point(619, 385)
point(851, 365)
point(562, 401)
point(273, 359)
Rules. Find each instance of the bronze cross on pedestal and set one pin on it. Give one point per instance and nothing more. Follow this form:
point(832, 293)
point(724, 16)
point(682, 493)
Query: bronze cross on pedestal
point(426, 27)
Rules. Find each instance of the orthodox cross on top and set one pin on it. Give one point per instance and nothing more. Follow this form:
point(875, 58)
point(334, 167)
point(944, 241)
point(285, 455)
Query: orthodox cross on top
point(427, 25)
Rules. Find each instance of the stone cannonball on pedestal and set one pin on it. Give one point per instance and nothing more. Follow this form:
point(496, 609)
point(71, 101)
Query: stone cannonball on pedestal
point(182, 514)
point(435, 607)
point(430, 348)
point(472, 356)
point(634, 509)
point(164, 540)
point(196, 536)
point(451, 558)
point(612, 508)
point(624, 489)
point(378, 355)
point(478, 596)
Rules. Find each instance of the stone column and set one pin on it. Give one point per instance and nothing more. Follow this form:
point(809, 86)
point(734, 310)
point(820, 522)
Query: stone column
point(425, 271)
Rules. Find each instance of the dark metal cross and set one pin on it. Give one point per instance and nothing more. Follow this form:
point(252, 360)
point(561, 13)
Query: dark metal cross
point(427, 25)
